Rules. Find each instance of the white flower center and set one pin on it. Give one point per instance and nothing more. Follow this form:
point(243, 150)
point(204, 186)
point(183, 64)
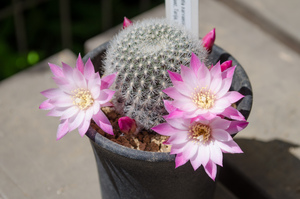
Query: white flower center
point(203, 98)
point(82, 98)
point(200, 132)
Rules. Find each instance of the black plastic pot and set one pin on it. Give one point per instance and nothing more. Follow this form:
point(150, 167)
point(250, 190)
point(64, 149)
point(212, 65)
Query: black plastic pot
point(131, 174)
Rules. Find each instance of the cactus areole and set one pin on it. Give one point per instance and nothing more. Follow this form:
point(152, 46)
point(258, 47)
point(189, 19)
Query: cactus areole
point(142, 54)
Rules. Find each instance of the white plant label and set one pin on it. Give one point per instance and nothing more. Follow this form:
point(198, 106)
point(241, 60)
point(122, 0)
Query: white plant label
point(184, 12)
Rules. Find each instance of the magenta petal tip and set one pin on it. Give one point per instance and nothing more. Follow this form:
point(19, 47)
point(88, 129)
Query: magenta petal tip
point(126, 22)
point(209, 40)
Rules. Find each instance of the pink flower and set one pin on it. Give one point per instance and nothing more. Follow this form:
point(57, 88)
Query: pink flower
point(79, 97)
point(127, 125)
point(209, 40)
point(200, 91)
point(201, 141)
point(126, 23)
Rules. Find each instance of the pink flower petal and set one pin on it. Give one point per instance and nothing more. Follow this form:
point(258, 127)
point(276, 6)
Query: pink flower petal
point(228, 73)
point(188, 76)
point(62, 101)
point(56, 112)
point(179, 160)
point(103, 122)
point(216, 154)
point(89, 70)
point(183, 88)
point(82, 129)
point(233, 113)
point(107, 81)
point(69, 112)
point(233, 96)
point(79, 79)
point(180, 124)
point(52, 93)
point(175, 76)
point(76, 120)
point(211, 170)
point(195, 63)
point(236, 126)
point(46, 105)
point(226, 83)
point(190, 150)
point(178, 137)
point(68, 71)
point(166, 129)
point(62, 129)
point(168, 106)
point(56, 70)
point(105, 96)
point(173, 93)
point(80, 64)
point(221, 135)
point(229, 147)
point(219, 123)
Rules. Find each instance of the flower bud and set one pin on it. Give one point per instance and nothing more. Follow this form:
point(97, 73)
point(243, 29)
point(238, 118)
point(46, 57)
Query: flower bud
point(226, 64)
point(126, 23)
point(209, 39)
point(127, 125)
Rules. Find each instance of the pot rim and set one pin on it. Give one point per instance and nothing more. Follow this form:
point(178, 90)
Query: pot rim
point(217, 54)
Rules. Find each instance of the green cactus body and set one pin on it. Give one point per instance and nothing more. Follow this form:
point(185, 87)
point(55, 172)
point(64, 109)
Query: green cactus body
point(142, 54)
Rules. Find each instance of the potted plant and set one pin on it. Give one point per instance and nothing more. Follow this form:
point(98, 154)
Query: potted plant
point(145, 77)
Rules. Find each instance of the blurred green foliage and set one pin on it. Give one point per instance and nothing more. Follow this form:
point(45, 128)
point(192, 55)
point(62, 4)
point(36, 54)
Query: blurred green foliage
point(43, 29)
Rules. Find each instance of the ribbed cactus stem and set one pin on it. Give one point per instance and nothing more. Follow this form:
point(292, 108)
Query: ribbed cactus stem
point(141, 54)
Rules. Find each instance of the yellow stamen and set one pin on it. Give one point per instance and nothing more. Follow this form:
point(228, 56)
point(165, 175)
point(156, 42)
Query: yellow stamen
point(82, 98)
point(200, 132)
point(203, 98)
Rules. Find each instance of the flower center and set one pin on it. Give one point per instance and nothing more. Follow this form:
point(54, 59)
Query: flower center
point(203, 98)
point(82, 98)
point(200, 132)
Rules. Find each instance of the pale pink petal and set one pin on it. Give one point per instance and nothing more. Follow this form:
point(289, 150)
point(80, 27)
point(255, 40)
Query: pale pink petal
point(175, 76)
point(216, 154)
point(233, 113)
point(216, 84)
point(215, 70)
point(190, 150)
point(46, 105)
point(68, 71)
point(108, 80)
point(229, 147)
point(80, 64)
point(179, 160)
point(211, 170)
point(222, 103)
point(79, 79)
point(89, 113)
point(62, 129)
point(195, 63)
point(89, 70)
point(219, 123)
point(183, 88)
point(56, 70)
point(175, 114)
point(204, 77)
point(178, 148)
point(62, 101)
point(166, 129)
point(95, 91)
point(196, 160)
point(233, 96)
point(56, 112)
point(168, 106)
point(173, 93)
point(221, 135)
point(179, 137)
point(82, 129)
point(105, 96)
point(188, 76)
point(76, 120)
point(95, 80)
point(96, 107)
point(52, 93)
point(236, 126)
point(181, 124)
point(226, 83)
point(103, 122)
point(70, 112)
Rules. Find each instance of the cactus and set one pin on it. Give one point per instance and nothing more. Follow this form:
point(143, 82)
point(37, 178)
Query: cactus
point(142, 54)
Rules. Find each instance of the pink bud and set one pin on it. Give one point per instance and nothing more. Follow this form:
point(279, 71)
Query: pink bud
point(127, 125)
point(209, 39)
point(226, 64)
point(126, 23)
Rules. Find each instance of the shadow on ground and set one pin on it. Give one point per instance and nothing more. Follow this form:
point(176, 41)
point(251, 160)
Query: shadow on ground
point(266, 170)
